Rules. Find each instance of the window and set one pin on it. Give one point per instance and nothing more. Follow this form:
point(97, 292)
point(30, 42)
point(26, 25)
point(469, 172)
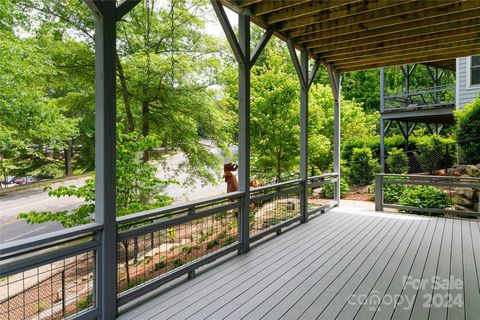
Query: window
point(475, 70)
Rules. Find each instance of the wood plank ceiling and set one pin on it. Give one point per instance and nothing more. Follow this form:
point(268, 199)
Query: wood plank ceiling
point(362, 34)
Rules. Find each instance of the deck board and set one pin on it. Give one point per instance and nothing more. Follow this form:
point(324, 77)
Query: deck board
point(312, 271)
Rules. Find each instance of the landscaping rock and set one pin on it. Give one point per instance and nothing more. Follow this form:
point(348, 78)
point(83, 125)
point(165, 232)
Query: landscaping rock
point(472, 170)
point(463, 201)
point(465, 192)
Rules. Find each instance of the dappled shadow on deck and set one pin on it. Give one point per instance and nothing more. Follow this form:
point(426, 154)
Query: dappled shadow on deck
point(346, 264)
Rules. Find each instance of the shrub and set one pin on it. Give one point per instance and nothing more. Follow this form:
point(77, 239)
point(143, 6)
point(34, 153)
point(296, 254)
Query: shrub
point(363, 167)
point(177, 263)
point(189, 249)
point(229, 240)
point(434, 152)
point(424, 197)
point(327, 190)
point(171, 234)
point(159, 265)
point(393, 192)
point(397, 161)
point(85, 303)
point(467, 132)
point(212, 244)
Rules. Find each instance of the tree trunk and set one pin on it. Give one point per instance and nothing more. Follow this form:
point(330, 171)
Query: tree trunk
point(126, 96)
point(127, 269)
point(67, 153)
point(145, 126)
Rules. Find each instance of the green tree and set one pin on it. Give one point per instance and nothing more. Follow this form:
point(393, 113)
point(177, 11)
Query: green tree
point(137, 189)
point(397, 161)
point(275, 125)
point(467, 132)
point(363, 167)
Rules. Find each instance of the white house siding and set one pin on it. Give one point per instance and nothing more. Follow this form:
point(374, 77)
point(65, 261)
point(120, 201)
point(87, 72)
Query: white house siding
point(464, 92)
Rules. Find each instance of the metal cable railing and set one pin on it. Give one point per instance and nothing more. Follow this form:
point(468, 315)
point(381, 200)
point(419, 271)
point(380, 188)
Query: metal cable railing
point(50, 276)
point(54, 276)
point(421, 98)
point(426, 194)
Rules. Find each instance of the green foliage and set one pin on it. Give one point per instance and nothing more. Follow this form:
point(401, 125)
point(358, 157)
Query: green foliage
point(363, 87)
point(138, 188)
point(229, 241)
point(424, 197)
point(159, 265)
point(85, 303)
point(171, 234)
point(205, 234)
point(178, 263)
point(212, 244)
point(221, 235)
point(434, 152)
point(189, 249)
point(392, 192)
point(467, 132)
point(397, 161)
point(363, 167)
point(327, 190)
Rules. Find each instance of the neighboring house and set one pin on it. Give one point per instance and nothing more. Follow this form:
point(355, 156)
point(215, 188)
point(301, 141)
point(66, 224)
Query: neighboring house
point(467, 80)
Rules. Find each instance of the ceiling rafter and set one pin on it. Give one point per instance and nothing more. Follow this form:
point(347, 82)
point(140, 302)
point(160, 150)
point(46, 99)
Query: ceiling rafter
point(360, 34)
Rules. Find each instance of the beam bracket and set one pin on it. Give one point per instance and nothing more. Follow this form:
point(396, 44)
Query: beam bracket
point(261, 45)
point(125, 8)
point(229, 33)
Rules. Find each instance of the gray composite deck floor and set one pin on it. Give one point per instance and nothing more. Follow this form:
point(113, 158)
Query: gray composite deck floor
point(345, 264)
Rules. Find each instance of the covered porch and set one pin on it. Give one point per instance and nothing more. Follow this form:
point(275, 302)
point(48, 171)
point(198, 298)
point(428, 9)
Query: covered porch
point(333, 264)
point(345, 264)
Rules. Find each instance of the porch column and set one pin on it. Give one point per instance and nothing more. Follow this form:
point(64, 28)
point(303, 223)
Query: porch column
point(244, 128)
point(105, 168)
point(305, 78)
point(382, 122)
point(304, 135)
point(335, 82)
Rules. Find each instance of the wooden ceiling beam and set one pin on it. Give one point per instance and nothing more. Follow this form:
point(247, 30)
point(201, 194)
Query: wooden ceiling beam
point(396, 45)
point(418, 58)
point(406, 52)
point(307, 9)
point(265, 7)
point(310, 24)
point(415, 18)
point(471, 18)
point(246, 3)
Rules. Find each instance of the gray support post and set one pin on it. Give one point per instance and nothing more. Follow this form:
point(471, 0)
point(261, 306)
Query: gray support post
point(382, 122)
point(304, 134)
point(335, 82)
point(379, 192)
point(105, 168)
point(244, 129)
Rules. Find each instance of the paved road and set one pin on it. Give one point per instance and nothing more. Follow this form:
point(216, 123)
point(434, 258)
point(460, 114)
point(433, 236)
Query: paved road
point(36, 199)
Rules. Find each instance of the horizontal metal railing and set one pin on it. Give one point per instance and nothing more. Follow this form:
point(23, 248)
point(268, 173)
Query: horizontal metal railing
point(421, 98)
point(454, 188)
point(153, 248)
point(321, 193)
point(158, 246)
point(274, 207)
point(50, 276)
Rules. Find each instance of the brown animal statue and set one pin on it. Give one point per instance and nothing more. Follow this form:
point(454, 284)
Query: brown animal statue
point(231, 179)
